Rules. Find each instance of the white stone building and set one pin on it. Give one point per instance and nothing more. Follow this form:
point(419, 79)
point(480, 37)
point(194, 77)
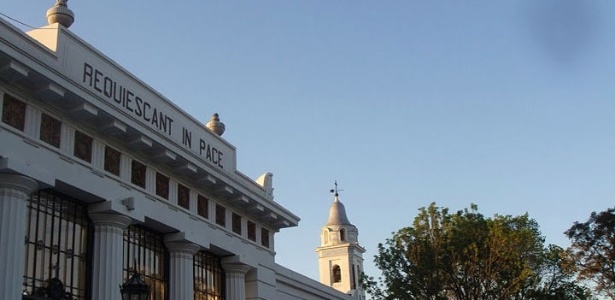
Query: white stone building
point(101, 177)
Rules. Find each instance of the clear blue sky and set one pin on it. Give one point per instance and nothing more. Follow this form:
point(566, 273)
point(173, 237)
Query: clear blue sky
point(507, 104)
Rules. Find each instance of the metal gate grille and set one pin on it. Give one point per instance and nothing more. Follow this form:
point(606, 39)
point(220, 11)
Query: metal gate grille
point(56, 243)
point(208, 277)
point(144, 252)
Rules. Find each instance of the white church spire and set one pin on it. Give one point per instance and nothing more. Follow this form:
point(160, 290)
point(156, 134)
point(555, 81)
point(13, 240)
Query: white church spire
point(340, 257)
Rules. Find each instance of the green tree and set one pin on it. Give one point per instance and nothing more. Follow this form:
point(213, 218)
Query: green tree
point(593, 249)
point(466, 256)
point(558, 272)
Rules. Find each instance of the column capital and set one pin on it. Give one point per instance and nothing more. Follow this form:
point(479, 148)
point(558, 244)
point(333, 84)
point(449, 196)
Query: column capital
point(183, 247)
point(18, 182)
point(236, 268)
point(111, 219)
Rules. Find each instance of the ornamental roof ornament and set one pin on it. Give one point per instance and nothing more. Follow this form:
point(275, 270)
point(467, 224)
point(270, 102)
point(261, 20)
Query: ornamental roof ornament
point(215, 125)
point(337, 211)
point(59, 13)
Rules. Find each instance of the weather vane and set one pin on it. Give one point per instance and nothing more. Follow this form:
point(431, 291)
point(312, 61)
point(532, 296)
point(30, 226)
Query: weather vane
point(335, 190)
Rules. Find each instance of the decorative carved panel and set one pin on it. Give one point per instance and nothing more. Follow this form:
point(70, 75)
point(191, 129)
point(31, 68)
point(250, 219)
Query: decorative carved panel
point(202, 207)
point(83, 146)
point(183, 196)
point(265, 237)
point(252, 231)
point(162, 186)
point(220, 215)
point(137, 174)
point(50, 130)
point(14, 112)
point(236, 223)
point(112, 161)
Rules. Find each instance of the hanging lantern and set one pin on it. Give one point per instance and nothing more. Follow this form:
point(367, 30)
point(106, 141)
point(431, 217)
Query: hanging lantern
point(135, 288)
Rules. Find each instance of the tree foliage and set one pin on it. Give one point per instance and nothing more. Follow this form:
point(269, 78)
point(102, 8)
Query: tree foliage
point(467, 256)
point(593, 249)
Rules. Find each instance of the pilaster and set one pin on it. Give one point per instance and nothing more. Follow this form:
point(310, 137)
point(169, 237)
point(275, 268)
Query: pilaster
point(67, 139)
point(181, 281)
point(33, 122)
point(108, 252)
point(14, 192)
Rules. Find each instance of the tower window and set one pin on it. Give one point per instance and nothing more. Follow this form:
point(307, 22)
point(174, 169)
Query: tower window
point(354, 278)
point(337, 274)
point(342, 234)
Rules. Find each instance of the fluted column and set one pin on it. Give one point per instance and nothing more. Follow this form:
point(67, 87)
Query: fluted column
point(235, 280)
point(14, 193)
point(107, 258)
point(181, 281)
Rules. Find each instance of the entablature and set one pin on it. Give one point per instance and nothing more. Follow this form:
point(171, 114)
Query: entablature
point(71, 81)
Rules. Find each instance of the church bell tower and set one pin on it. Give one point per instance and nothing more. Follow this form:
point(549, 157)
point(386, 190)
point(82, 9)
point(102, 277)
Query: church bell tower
point(340, 257)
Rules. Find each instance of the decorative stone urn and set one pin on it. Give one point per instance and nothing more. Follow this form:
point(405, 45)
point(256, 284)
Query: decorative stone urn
point(215, 125)
point(60, 13)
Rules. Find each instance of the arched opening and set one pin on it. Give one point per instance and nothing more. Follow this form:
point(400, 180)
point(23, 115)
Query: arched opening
point(342, 234)
point(337, 274)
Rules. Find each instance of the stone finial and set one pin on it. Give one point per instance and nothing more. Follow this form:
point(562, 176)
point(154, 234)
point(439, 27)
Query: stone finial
point(215, 125)
point(59, 13)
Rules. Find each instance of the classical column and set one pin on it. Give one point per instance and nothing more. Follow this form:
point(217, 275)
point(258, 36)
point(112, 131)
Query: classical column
point(14, 193)
point(181, 281)
point(235, 280)
point(108, 252)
